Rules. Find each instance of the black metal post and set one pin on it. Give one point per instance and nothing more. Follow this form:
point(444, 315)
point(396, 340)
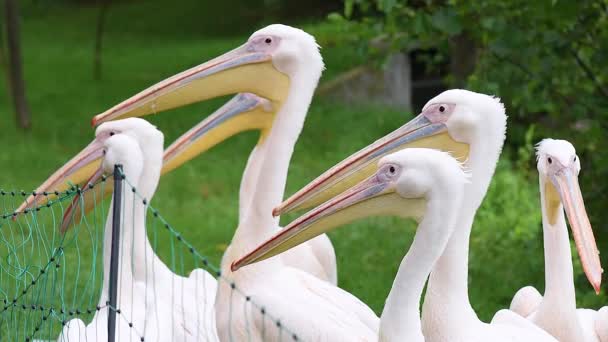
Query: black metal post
point(114, 256)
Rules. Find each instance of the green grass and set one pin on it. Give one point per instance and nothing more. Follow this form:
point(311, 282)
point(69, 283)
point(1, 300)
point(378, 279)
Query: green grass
point(200, 198)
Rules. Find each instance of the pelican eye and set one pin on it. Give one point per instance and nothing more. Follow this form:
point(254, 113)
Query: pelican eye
point(549, 160)
point(388, 172)
point(112, 133)
point(574, 159)
point(442, 109)
point(268, 40)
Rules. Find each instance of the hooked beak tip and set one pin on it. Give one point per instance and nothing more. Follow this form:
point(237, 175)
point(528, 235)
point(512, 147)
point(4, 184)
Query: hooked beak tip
point(597, 282)
point(234, 266)
point(276, 211)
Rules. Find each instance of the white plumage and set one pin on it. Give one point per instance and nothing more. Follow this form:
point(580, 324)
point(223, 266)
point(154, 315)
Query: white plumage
point(556, 311)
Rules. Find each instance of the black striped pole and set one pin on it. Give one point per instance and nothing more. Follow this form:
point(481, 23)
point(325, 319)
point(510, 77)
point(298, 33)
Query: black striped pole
point(116, 214)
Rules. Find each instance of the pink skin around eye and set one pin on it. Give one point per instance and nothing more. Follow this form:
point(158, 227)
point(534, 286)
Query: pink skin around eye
point(260, 44)
point(436, 115)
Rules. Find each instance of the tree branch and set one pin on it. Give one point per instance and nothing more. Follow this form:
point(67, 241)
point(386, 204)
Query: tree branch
point(588, 72)
point(525, 70)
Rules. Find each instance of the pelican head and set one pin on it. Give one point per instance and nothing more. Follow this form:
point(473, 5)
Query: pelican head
point(118, 149)
point(406, 179)
point(558, 169)
point(456, 121)
point(264, 65)
point(86, 165)
point(121, 149)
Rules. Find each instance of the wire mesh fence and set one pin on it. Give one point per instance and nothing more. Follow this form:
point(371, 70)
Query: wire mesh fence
point(55, 272)
point(42, 284)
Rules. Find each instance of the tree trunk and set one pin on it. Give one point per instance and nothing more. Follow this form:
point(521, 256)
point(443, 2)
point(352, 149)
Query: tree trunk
point(2, 42)
point(463, 57)
point(16, 82)
point(101, 20)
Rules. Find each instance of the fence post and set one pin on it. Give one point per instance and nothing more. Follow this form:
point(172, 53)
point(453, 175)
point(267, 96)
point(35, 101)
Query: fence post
point(114, 255)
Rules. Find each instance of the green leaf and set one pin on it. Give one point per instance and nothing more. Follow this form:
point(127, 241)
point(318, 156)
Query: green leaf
point(348, 8)
point(387, 6)
point(419, 24)
point(446, 20)
point(335, 17)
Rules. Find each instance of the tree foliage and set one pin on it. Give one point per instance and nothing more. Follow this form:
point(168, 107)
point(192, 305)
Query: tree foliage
point(547, 60)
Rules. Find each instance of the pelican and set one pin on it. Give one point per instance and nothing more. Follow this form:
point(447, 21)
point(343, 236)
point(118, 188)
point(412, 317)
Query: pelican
point(187, 313)
point(124, 150)
point(429, 180)
point(555, 312)
point(471, 126)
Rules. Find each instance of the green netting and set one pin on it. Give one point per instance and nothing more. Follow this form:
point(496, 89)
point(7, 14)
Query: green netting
point(45, 276)
point(48, 280)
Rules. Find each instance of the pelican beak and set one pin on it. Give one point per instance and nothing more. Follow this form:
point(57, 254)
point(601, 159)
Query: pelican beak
point(419, 132)
point(238, 71)
point(75, 172)
point(89, 199)
point(244, 112)
point(371, 197)
point(564, 189)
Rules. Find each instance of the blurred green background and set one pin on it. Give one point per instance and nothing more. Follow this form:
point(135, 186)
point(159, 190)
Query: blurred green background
point(547, 60)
